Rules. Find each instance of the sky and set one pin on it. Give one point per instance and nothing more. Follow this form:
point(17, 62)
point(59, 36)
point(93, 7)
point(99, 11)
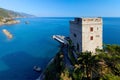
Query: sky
point(65, 8)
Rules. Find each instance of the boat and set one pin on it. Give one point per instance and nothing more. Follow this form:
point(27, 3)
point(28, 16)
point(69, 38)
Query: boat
point(37, 68)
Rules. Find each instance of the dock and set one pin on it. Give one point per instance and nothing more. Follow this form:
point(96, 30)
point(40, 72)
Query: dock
point(60, 39)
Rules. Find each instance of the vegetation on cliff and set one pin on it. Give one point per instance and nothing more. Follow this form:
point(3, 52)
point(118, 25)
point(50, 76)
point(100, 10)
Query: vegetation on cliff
point(55, 68)
point(103, 66)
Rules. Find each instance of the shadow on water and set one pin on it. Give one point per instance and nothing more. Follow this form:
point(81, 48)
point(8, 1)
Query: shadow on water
point(21, 66)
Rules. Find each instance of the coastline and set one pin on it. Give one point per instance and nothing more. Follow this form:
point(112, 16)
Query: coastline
point(9, 22)
point(42, 75)
point(54, 66)
point(40, 61)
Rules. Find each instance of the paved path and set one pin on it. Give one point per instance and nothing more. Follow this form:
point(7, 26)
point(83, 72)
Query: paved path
point(66, 59)
point(60, 39)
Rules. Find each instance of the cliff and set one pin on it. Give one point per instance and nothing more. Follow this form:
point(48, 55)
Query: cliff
point(103, 66)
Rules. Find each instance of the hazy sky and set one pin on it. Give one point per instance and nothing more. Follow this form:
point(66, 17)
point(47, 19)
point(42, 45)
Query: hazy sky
point(64, 8)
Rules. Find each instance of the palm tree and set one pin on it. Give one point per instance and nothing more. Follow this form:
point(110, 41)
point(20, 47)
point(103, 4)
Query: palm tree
point(86, 60)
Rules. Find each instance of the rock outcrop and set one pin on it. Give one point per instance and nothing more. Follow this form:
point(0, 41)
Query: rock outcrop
point(8, 21)
point(7, 33)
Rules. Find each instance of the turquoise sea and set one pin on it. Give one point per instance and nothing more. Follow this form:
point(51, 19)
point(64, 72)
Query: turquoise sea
point(32, 44)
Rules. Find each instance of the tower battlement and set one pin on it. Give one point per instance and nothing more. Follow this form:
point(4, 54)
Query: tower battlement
point(87, 21)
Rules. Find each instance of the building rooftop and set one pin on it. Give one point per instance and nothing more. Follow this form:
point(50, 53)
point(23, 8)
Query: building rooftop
point(87, 20)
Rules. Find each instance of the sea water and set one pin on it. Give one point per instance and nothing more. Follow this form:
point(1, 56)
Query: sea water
point(32, 44)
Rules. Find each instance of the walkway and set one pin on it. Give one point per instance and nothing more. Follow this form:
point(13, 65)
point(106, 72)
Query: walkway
point(60, 39)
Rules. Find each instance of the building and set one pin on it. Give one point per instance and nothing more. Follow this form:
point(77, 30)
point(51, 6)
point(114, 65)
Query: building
point(86, 34)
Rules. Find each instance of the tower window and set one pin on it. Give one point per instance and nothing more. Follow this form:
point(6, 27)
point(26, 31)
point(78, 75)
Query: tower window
point(91, 37)
point(74, 35)
point(91, 29)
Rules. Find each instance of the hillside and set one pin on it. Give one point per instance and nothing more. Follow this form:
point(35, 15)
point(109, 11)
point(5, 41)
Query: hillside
point(12, 14)
point(103, 66)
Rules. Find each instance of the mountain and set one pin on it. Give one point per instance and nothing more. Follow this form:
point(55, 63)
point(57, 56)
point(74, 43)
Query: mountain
point(12, 14)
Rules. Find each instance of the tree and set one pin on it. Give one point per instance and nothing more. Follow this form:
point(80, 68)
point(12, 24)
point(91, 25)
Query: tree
point(87, 62)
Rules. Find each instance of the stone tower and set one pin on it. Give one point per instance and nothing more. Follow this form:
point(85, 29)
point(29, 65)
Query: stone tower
point(86, 34)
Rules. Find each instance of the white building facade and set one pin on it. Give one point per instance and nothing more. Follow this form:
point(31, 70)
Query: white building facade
point(86, 34)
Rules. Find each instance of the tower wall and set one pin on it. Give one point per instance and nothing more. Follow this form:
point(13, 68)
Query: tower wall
point(75, 34)
point(88, 33)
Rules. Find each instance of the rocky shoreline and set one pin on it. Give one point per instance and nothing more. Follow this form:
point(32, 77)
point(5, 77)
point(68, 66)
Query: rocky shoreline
point(8, 21)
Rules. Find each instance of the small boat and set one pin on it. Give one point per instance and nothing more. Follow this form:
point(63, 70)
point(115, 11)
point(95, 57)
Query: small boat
point(37, 68)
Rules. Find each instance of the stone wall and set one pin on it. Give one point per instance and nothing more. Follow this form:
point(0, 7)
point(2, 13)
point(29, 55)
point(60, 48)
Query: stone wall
point(82, 28)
